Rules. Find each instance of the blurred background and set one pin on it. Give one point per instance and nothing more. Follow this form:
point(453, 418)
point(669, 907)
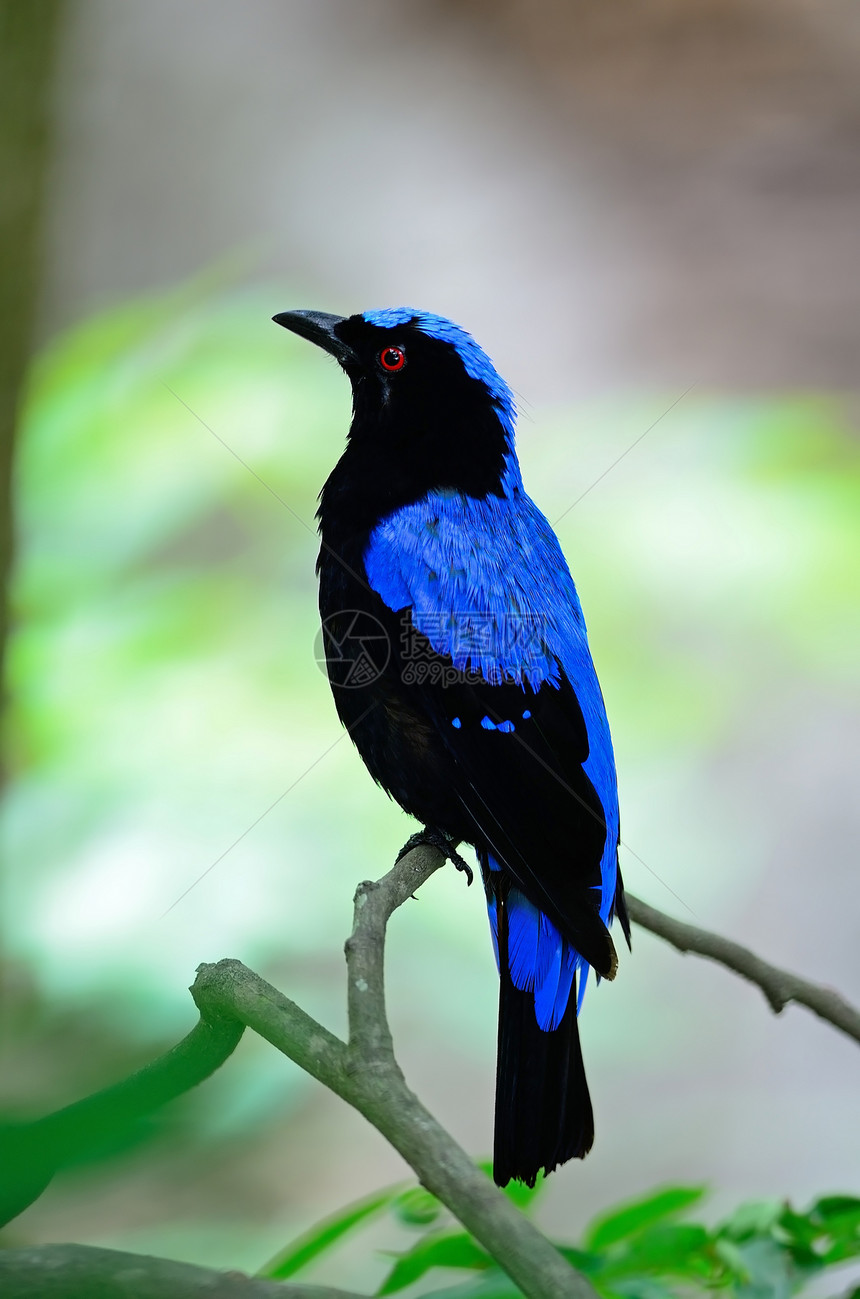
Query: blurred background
point(649, 215)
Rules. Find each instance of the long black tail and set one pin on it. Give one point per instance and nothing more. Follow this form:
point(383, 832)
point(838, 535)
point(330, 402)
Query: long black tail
point(543, 1109)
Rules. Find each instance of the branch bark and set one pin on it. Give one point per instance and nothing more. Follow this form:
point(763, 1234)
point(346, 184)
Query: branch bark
point(780, 987)
point(365, 1073)
point(73, 1271)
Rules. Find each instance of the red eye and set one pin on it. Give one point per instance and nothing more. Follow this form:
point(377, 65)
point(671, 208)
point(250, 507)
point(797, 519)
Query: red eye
point(392, 358)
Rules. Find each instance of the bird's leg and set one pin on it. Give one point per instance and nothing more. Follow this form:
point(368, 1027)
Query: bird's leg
point(438, 839)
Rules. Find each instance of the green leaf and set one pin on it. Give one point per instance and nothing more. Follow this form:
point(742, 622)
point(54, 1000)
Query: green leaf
point(416, 1207)
point(323, 1235)
point(836, 1206)
point(439, 1249)
point(524, 1196)
point(517, 1192)
point(729, 1254)
point(769, 1274)
point(642, 1287)
point(491, 1284)
point(618, 1224)
point(679, 1249)
point(837, 1218)
point(580, 1260)
point(800, 1235)
point(753, 1218)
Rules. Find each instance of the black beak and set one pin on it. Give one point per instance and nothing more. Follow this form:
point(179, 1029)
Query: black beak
point(317, 327)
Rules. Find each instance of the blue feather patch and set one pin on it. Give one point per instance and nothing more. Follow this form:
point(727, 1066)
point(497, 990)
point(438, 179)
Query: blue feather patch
point(540, 960)
point(523, 936)
point(492, 911)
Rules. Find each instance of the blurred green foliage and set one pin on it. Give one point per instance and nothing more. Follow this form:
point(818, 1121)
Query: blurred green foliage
point(181, 787)
point(639, 1250)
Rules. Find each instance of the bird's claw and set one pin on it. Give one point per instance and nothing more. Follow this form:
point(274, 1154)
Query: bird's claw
point(462, 865)
point(438, 839)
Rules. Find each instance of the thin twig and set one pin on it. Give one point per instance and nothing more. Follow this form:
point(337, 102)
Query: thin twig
point(779, 986)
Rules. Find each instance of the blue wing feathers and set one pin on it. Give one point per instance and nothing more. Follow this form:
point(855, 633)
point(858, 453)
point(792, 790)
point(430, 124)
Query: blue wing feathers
point(496, 566)
point(552, 997)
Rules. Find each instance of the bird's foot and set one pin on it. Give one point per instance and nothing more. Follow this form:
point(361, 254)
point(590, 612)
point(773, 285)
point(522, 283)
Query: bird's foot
point(438, 839)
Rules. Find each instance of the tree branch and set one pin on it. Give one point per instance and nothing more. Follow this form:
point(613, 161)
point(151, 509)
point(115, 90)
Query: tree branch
point(779, 986)
point(72, 1271)
point(366, 1075)
point(31, 1153)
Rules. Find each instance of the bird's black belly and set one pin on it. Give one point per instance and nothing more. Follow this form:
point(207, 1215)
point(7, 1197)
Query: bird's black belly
point(404, 753)
point(397, 740)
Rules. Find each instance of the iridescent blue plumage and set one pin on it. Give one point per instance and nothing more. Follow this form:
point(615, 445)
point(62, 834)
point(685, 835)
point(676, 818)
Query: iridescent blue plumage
point(486, 582)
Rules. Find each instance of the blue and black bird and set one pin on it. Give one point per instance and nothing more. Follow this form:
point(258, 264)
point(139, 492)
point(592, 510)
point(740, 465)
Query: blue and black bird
point(476, 705)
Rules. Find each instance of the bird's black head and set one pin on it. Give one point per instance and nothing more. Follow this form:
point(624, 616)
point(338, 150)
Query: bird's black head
point(430, 411)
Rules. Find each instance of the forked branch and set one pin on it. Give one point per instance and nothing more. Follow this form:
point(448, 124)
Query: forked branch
point(365, 1073)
